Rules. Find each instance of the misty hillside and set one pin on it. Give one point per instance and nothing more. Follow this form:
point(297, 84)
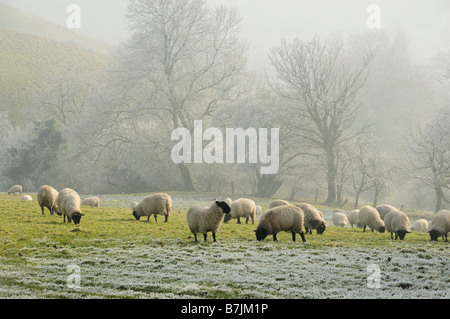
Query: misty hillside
point(27, 62)
point(14, 19)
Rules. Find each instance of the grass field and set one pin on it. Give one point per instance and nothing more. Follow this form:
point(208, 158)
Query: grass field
point(116, 256)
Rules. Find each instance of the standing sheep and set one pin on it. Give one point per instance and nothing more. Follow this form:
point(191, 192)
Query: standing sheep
point(312, 218)
point(242, 207)
point(15, 189)
point(369, 216)
point(69, 202)
point(353, 218)
point(440, 225)
point(279, 202)
point(157, 204)
point(340, 219)
point(420, 225)
point(384, 209)
point(46, 197)
point(282, 218)
point(207, 219)
point(91, 201)
point(397, 222)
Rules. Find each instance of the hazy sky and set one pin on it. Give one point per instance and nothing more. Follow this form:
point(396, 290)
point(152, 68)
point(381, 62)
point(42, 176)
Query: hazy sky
point(426, 23)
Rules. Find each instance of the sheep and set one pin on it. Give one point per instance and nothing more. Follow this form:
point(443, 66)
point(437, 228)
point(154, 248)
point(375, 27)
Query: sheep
point(91, 201)
point(133, 204)
point(281, 218)
point(46, 197)
point(242, 207)
point(384, 209)
point(15, 189)
point(353, 218)
point(440, 225)
point(27, 198)
point(420, 225)
point(69, 202)
point(258, 211)
point(397, 222)
point(207, 219)
point(369, 216)
point(279, 202)
point(312, 218)
point(340, 219)
point(157, 204)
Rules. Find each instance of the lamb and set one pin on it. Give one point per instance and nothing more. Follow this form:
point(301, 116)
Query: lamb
point(46, 197)
point(207, 219)
point(27, 198)
point(369, 216)
point(258, 211)
point(15, 189)
point(397, 222)
point(353, 218)
point(340, 219)
point(312, 218)
point(242, 207)
point(281, 218)
point(383, 210)
point(69, 202)
point(420, 225)
point(157, 204)
point(440, 225)
point(279, 202)
point(91, 201)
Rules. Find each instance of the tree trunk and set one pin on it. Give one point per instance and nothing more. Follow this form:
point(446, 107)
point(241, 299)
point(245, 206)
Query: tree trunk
point(331, 177)
point(439, 198)
point(188, 184)
point(356, 201)
point(375, 197)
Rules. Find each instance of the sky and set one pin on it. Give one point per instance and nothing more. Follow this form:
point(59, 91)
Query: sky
point(266, 22)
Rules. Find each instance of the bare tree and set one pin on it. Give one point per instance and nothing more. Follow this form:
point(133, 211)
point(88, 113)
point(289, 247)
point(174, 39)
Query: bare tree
point(190, 55)
point(325, 89)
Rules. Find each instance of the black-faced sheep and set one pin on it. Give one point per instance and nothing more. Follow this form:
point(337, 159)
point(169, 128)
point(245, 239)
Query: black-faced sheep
point(68, 202)
point(157, 204)
point(15, 189)
point(242, 207)
point(46, 197)
point(207, 219)
point(91, 201)
point(369, 216)
point(340, 219)
point(397, 222)
point(313, 219)
point(440, 225)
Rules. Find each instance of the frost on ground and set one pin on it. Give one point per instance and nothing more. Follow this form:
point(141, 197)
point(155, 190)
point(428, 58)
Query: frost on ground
point(171, 268)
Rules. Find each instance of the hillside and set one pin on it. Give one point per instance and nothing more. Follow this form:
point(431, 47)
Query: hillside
point(27, 62)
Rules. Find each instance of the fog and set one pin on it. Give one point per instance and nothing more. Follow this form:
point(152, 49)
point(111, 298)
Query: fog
point(362, 111)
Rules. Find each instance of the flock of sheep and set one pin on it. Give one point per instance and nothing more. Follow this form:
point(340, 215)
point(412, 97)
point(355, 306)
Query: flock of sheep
point(282, 215)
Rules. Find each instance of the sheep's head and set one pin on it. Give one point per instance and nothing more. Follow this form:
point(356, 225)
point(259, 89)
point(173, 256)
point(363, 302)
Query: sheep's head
point(136, 215)
point(225, 208)
point(381, 229)
point(321, 229)
point(402, 233)
point(261, 234)
point(227, 218)
point(76, 217)
point(434, 234)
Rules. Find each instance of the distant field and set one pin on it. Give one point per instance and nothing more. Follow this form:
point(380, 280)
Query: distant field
point(119, 257)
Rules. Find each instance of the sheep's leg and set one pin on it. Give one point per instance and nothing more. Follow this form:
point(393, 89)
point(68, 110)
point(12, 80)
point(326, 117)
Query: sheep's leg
point(293, 236)
point(392, 237)
point(364, 229)
point(42, 208)
point(303, 237)
point(166, 218)
point(239, 220)
point(156, 220)
point(246, 220)
point(195, 236)
point(275, 237)
point(214, 236)
point(205, 236)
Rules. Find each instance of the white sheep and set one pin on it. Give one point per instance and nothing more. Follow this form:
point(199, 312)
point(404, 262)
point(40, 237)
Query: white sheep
point(279, 202)
point(259, 211)
point(207, 219)
point(353, 218)
point(91, 201)
point(69, 202)
point(420, 225)
point(384, 209)
point(242, 207)
point(312, 218)
point(340, 219)
point(157, 204)
point(46, 197)
point(281, 218)
point(15, 189)
point(27, 198)
point(440, 225)
point(397, 222)
point(369, 216)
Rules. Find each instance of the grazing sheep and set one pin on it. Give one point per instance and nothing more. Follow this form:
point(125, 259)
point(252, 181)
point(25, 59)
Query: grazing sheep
point(68, 202)
point(340, 219)
point(312, 218)
point(91, 201)
point(279, 202)
point(353, 218)
point(440, 225)
point(258, 211)
point(282, 218)
point(46, 197)
point(420, 225)
point(397, 222)
point(207, 219)
point(27, 198)
point(157, 204)
point(369, 216)
point(242, 207)
point(15, 189)
point(384, 209)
